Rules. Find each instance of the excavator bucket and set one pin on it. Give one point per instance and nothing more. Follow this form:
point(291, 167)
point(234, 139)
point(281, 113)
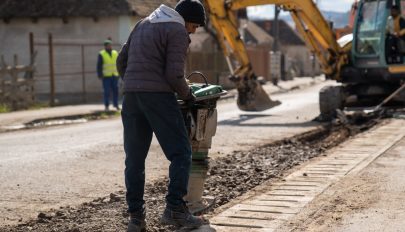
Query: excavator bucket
point(252, 97)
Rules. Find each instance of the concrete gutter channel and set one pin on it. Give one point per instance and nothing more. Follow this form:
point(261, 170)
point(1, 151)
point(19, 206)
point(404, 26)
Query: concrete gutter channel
point(285, 199)
point(231, 178)
point(89, 115)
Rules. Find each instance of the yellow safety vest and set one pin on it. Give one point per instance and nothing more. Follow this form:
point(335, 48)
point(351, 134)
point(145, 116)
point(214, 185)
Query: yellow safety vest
point(109, 63)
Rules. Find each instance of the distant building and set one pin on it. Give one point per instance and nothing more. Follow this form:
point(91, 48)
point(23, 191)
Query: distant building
point(258, 45)
point(293, 47)
point(77, 26)
point(206, 56)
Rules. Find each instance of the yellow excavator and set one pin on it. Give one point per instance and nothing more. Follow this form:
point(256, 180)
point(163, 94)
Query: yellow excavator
point(359, 61)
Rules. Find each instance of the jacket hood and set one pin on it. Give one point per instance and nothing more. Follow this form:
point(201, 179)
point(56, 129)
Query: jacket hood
point(165, 14)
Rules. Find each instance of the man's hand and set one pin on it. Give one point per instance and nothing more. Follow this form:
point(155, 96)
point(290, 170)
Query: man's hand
point(191, 99)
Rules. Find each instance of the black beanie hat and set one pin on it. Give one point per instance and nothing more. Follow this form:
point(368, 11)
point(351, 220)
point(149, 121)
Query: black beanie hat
point(192, 11)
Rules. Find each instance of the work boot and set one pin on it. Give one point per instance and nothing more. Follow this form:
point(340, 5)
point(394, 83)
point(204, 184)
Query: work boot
point(137, 222)
point(180, 216)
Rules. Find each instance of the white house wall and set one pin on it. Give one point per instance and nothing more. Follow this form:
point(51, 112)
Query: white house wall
point(125, 27)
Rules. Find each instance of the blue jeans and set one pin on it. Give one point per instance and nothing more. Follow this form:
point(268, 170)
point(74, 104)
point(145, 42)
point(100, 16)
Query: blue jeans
point(142, 115)
point(110, 84)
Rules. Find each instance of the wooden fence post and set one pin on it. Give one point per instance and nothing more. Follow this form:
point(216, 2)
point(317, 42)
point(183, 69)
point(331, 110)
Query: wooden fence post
point(51, 71)
point(31, 36)
point(3, 74)
point(1, 84)
point(84, 94)
point(14, 84)
point(16, 91)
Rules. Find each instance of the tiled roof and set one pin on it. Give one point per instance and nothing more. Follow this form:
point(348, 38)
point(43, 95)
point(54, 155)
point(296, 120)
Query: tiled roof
point(145, 7)
point(256, 34)
point(287, 35)
point(72, 8)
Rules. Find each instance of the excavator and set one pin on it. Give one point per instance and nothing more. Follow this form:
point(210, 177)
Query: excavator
point(360, 61)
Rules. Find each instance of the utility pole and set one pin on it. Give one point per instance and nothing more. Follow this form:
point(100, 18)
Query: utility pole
point(276, 63)
point(275, 28)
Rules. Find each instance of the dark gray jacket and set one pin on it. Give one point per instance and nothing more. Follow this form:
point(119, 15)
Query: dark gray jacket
point(153, 59)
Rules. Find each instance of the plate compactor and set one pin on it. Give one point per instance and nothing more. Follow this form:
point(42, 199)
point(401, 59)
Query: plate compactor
point(200, 118)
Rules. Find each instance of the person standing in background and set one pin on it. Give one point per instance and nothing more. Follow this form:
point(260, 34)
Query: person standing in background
point(107, 72)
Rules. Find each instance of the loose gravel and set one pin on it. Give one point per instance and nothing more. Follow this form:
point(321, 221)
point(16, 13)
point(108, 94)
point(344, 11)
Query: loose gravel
point(229, 177)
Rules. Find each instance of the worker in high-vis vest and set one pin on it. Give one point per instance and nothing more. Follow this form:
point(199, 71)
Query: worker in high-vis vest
point(107, 72)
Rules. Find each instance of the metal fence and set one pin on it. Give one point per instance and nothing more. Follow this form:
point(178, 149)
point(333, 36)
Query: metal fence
point(66, 70)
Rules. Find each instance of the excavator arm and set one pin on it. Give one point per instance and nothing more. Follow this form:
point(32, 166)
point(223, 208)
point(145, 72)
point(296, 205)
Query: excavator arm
point(310, 23)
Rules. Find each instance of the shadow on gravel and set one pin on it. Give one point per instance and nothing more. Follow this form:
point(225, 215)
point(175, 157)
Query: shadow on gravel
point(229, 177)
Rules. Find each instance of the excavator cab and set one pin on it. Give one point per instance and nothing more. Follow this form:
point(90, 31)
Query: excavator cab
point(377, 64)
point(374, 47)
point(370, 31)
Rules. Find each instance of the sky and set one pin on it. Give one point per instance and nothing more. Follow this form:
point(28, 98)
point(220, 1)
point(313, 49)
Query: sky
point(335, 5)
point(329, 5)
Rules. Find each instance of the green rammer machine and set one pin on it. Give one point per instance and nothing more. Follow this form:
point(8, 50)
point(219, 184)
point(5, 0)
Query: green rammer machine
point(201, 122)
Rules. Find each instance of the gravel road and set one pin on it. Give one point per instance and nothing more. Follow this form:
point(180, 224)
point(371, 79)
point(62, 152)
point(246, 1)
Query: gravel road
point(229, 177)
point(58, 166)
